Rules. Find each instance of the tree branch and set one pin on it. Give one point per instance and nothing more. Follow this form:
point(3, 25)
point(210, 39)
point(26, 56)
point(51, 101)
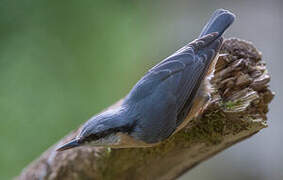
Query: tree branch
point(237, 111)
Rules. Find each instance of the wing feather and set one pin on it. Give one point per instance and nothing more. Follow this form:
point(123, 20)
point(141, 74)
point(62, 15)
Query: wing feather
point(180, 73)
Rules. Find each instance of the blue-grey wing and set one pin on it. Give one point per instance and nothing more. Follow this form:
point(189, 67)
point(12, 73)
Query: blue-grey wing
point(184, 66)
point(180, 74)
point(154, 78)
point(157, 118)
point(193, 75)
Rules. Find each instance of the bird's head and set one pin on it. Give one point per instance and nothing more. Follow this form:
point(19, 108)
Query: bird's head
point(110, 129)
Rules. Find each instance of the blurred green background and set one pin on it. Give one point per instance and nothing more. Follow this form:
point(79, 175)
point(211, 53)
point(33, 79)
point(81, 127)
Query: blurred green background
point(63, 61)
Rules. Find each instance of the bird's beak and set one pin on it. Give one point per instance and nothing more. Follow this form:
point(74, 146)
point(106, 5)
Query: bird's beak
point(69, 145)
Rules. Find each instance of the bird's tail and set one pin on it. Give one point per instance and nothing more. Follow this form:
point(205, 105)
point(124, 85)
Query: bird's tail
point(219, 22)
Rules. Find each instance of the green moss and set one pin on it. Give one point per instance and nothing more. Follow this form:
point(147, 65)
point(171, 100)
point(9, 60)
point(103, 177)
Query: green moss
point(108, 150)
point(208, 129)
point(230, 105)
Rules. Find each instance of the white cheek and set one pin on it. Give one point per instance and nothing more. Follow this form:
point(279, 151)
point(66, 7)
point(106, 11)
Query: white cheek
point(106, 141)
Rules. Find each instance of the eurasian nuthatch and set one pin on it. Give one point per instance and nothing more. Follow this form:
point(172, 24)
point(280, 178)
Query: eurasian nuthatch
point(159, 104)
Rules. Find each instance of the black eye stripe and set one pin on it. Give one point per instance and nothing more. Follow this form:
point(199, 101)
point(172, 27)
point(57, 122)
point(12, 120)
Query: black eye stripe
point(102, 134)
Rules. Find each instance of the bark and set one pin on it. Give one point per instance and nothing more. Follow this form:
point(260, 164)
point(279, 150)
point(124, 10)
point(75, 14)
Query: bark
point(237, 111)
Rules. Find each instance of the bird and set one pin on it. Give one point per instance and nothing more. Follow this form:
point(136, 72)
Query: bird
point(160, 103)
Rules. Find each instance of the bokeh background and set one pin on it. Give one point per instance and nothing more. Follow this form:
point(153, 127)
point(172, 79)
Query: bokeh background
point(63, 61)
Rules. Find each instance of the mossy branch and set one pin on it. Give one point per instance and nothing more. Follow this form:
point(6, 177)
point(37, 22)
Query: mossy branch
point(237, 111)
